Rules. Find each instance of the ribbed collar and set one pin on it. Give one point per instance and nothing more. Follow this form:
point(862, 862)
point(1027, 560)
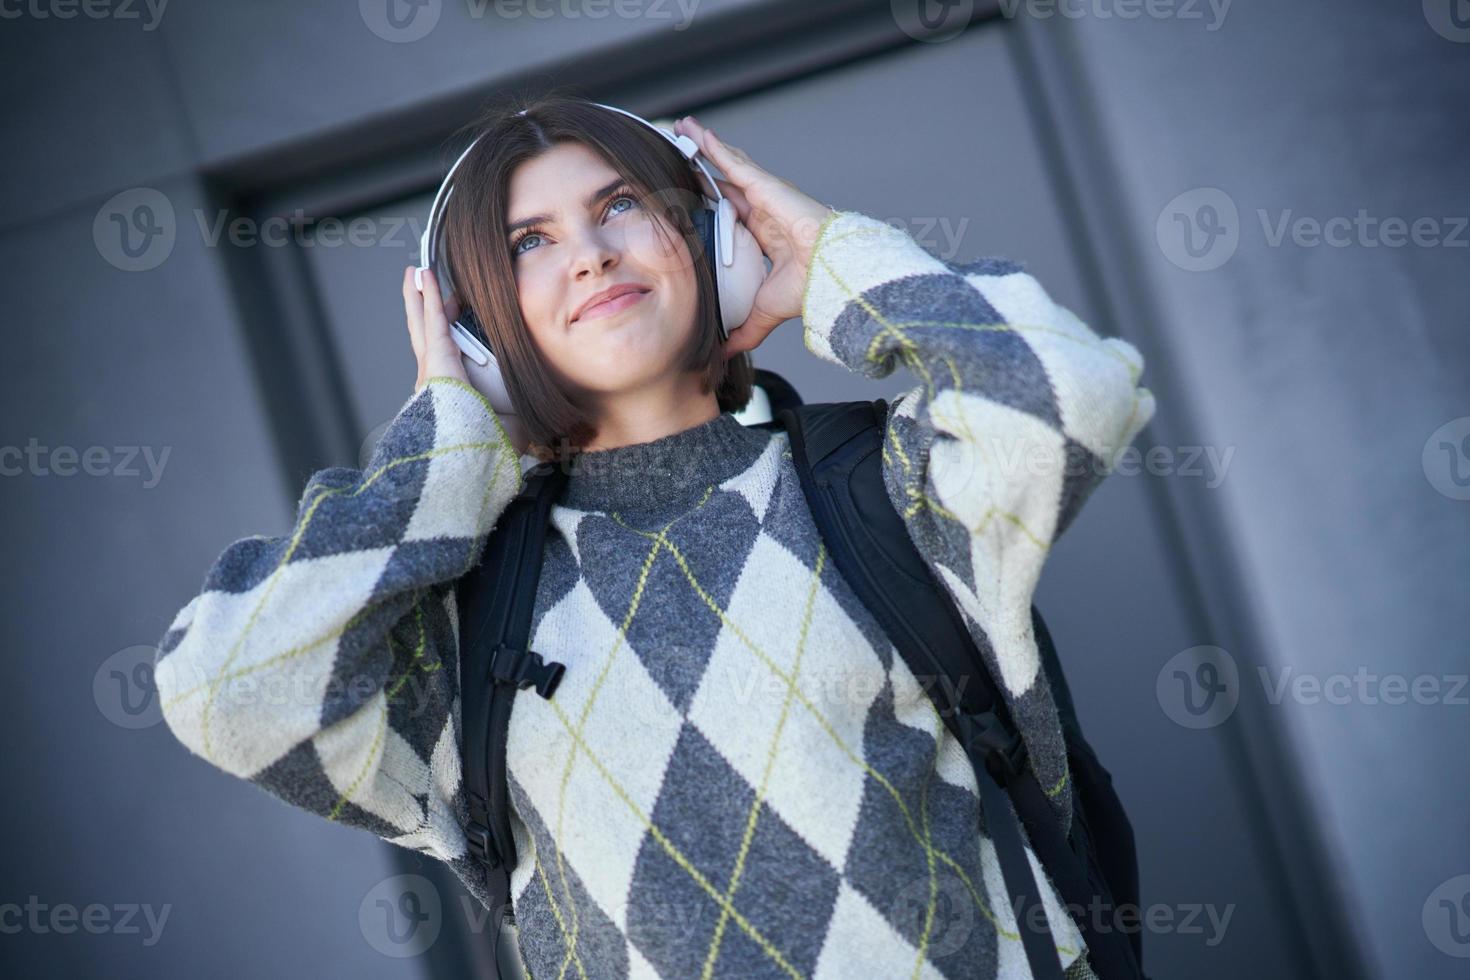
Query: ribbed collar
point(667, 473)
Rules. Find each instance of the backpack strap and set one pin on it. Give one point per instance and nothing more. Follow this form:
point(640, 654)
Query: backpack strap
point(837, 451)
point(496, 600)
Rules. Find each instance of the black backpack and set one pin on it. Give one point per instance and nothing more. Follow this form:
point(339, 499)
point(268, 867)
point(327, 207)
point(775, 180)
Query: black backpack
point(837, 451)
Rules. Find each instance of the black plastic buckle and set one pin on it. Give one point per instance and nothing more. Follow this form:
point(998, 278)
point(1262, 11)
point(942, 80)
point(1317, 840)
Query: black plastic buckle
point(525, 668)
point(482, 845)
point(1002, 748)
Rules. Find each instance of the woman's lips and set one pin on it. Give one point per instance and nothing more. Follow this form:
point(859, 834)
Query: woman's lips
point(609, 307)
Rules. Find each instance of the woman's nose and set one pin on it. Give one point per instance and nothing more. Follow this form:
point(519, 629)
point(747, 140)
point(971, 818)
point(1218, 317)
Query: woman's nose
point(594, 251)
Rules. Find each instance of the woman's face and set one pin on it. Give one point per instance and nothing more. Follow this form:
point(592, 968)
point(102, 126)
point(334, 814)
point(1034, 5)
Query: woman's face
point(592, 235)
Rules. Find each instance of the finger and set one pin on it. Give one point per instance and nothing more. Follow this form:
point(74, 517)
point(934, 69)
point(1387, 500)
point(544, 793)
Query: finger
point(737, 198)
point(735, 162)
point(433, 301)
point(436, 323)
point(750, 334)
point(413, 308)
point(732, 346)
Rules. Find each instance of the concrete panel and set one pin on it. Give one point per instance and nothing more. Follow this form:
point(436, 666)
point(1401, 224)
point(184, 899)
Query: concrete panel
point(269, 72)
point(120, 367)
point(1330, 359)
point(90, 109)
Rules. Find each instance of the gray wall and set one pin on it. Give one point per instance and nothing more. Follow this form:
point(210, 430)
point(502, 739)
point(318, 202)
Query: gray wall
point(1335, 548)
point(1325, 543)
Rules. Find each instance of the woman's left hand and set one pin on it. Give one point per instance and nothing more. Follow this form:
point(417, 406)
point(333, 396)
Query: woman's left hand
point(784, 221)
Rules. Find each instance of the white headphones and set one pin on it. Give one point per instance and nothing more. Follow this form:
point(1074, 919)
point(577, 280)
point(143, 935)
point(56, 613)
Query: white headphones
point(736, 262)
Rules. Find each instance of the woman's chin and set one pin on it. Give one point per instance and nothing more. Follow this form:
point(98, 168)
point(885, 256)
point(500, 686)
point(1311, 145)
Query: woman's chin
point(627, 365)
point(626, 337)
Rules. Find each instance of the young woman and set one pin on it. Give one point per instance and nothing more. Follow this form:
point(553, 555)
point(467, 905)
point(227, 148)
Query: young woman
point(737, 775)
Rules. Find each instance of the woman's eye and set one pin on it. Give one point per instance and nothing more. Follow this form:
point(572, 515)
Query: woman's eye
point(533, 233)
point(517, 250)
point(622, 197)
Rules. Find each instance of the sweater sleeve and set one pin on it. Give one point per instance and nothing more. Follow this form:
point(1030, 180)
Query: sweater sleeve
point(1019, 412)
point(322, 665)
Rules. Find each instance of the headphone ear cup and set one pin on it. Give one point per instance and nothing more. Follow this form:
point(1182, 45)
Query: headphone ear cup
point(742, 271)
point(704, 227)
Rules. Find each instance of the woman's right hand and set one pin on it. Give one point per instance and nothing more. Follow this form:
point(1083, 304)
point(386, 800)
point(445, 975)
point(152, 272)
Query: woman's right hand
point(428, 329)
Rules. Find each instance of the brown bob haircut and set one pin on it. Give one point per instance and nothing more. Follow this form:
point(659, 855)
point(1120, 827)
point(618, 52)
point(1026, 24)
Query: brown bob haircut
point(479, 258)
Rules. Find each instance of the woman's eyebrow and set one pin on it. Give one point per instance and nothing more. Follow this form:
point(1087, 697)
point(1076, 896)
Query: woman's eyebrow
point(592, 199)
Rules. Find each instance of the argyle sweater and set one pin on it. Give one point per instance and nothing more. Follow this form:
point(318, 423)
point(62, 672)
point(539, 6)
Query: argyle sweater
point(737, 776)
